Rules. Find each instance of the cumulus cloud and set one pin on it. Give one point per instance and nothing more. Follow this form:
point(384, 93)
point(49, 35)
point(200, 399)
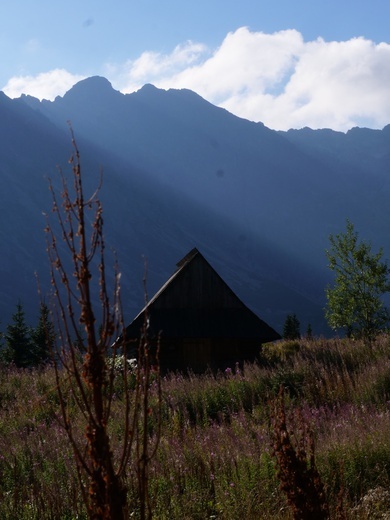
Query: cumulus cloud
point(46, 85)
point(153, 67)
point(278, 79)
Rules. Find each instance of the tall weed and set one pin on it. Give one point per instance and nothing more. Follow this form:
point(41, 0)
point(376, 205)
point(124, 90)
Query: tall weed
point(215, 454)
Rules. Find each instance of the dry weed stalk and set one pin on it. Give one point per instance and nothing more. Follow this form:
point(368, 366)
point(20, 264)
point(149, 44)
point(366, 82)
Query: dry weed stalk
point(297, 471)
point(83, 346)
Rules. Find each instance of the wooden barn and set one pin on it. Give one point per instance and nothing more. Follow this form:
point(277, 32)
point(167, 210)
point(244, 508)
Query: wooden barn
point(200, 321)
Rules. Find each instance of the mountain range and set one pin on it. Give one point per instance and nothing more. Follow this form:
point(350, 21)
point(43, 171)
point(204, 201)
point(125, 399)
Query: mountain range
point(178, 173)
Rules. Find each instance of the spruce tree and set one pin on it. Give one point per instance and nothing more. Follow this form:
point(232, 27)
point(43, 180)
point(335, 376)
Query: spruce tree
point(42, 337)
point(18, 346)
point(309, 332)
point(291, 328)
point(1, 343)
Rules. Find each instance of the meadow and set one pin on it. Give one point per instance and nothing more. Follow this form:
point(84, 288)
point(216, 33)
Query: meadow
point(216, 453)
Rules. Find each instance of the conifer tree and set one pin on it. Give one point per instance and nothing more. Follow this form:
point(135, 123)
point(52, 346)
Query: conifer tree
point(291, 328)
point(1, 341)
point(309, 331)
point(42, 337)
point(18, 346)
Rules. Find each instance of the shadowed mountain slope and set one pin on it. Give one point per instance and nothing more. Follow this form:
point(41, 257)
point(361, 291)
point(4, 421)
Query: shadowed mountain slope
point(181, 173)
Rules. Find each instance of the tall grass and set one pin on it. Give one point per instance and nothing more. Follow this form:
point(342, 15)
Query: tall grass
point(215, 455)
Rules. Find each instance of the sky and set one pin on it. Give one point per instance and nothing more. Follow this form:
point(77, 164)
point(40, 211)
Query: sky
point(286, 63)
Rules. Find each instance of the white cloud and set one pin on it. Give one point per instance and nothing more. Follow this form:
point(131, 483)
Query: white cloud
point(153, 67)
point(339, 85)
point(46, 85)
point(277, 78)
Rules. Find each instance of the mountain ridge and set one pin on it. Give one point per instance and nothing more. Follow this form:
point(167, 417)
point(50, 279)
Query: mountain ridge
point(180, 172)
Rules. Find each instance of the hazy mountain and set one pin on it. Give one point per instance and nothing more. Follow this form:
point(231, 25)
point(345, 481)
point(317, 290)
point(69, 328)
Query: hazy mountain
point(179, 173)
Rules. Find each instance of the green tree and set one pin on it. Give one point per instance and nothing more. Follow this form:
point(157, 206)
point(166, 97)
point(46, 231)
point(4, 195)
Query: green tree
point(18, 346)
point(291, 328)
point(309, 331)
point(1, 343)
point(42, 337)
point(355, 302)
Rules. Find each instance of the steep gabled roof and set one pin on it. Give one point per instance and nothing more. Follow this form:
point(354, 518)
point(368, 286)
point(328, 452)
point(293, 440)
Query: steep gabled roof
point(195, 302)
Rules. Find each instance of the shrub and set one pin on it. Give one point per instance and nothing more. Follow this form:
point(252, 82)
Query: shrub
point(280, 351)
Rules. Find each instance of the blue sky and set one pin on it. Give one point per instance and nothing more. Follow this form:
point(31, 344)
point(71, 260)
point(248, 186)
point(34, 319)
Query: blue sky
point(287, 63)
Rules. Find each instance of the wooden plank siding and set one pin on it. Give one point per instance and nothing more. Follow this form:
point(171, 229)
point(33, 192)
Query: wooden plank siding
point(200, 321)
point(198, 355)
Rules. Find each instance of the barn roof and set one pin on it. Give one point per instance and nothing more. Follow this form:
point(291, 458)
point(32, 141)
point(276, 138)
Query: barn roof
point(195, 302)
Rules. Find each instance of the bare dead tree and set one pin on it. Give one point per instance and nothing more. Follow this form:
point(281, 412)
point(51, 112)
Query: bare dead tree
point(84, 343)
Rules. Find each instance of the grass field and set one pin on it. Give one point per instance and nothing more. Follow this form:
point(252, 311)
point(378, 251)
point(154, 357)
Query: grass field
point(216, 452)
